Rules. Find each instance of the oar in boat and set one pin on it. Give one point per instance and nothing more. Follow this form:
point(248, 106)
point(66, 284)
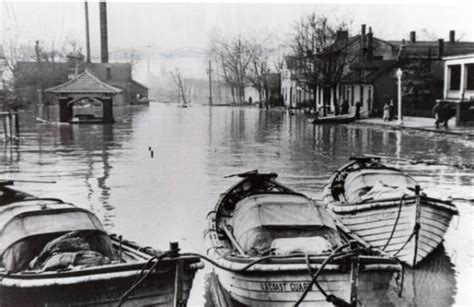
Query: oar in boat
point(232, 239)
point(244, 174)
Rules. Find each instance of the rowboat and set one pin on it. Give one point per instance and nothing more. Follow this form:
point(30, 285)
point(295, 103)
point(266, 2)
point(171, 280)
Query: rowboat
point(337, 119)
point(56, 254)
point(272, 246)
point(384, 207)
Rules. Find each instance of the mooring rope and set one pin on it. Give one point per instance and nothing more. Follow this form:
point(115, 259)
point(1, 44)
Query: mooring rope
point(142, 276)
point(415, 231)
point(329, 297)
point(400, 205)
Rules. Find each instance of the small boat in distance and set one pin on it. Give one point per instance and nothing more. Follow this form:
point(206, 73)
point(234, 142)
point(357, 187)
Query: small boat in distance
point(384, 207)
point(56, 254)
point(273, 246)
point(337, 119)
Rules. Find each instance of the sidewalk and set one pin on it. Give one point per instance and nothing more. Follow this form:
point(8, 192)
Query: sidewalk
point(420, 123)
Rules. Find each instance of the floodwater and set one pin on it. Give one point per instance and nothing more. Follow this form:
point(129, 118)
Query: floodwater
point(155, 200)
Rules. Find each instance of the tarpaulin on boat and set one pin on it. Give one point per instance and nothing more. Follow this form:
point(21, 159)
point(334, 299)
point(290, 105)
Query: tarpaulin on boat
point(376, 184)
point(260, 220)
point(27, 229)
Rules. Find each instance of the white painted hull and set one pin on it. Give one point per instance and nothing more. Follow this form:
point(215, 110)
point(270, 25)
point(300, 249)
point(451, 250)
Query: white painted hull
point(375, 225)
point(285, 288)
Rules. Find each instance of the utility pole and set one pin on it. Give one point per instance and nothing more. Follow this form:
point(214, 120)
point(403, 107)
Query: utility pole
point(88, 45)
point(400, 114)
point(209, 71)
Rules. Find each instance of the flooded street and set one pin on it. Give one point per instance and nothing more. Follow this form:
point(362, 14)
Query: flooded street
point(165, 197)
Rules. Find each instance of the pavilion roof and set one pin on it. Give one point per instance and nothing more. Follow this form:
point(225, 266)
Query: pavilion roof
point(84, 83)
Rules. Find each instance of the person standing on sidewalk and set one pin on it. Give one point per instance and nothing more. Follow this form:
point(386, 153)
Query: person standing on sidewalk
point(437, 112)
point(386, 112)
point(390, 111)
point(357, 110)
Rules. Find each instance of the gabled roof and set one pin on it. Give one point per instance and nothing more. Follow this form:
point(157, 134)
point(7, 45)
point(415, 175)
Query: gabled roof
point(84, 83)
point(372, 70)
point(139, 84)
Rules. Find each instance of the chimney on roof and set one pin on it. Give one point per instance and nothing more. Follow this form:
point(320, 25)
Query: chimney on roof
point(363, 45)
point(104, 45)
point(452, 36)
point(412, 37)
point(342, 35)
point(370, 43)
point(440, 48)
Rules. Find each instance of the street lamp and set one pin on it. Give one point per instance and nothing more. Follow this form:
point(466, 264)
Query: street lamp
point(400, 116)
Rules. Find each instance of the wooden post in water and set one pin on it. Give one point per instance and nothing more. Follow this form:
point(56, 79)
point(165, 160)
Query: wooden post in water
point(355, 265)
point(178, 299)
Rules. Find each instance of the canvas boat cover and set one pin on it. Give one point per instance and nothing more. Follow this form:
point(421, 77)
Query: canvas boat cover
point(262, 222)
point(27, 226)
point(368, 184)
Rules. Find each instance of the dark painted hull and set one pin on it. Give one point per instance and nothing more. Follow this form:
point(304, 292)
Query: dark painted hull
point(105, 287)
point(342, 119)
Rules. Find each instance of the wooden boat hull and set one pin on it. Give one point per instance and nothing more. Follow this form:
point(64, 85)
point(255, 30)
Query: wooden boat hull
point(100, 289)
point(374, 222)
point(280, 288)
point(342, 119)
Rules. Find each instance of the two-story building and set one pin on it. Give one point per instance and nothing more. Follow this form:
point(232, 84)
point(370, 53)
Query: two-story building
point(366, 55)
point(459, 86)
point(370, 77)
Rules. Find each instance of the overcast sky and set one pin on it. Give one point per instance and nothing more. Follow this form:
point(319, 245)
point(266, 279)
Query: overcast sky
point(159, 29)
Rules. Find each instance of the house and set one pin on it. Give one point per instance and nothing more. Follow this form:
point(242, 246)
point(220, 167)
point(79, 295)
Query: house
point(359, 83)
point(373, 81)
point(31, 76)
point(459, 86)
point(369, 77)
point(360, 50)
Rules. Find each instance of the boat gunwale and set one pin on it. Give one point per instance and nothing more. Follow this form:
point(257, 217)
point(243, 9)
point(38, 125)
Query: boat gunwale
point(349, 208)
point(102, 269)
point(227, 260)
point(327, 191)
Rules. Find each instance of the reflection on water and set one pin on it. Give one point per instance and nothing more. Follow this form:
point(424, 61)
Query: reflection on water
point(163, 198)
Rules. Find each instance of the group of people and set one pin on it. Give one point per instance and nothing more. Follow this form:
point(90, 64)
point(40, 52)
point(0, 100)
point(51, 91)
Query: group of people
point(388, 111)
point(442, 112)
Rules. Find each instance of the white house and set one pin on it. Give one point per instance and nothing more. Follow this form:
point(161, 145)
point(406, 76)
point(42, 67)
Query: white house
point(459, 86)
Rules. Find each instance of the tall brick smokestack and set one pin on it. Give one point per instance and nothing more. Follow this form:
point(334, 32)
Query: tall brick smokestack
point(104, 47)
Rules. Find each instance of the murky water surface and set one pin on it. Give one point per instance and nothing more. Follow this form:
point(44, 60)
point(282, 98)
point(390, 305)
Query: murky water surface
point(109, 170)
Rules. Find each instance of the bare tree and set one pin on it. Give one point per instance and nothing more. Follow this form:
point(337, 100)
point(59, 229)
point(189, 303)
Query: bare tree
point(259, 67)
point(235, 54)
point(178, 80)
point(322, 54)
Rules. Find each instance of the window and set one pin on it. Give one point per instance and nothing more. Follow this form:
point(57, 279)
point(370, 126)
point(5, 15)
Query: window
point(470, 77)
point(361, 95)
point(454, 77)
